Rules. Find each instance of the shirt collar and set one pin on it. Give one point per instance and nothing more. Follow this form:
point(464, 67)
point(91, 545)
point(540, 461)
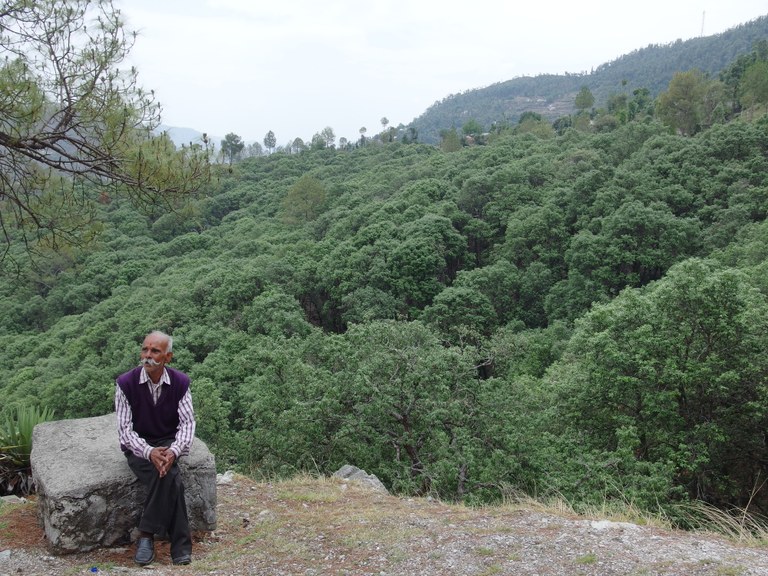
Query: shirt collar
point(144, 377)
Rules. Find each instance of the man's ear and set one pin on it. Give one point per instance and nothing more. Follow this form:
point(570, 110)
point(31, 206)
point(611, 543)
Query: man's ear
point(168, 356)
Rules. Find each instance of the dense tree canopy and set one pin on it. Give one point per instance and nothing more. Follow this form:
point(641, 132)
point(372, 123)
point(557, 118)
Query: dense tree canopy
point(676, 366)
point(579, 313)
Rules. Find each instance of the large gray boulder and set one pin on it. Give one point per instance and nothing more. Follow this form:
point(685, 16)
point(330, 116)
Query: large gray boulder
point(87, 495)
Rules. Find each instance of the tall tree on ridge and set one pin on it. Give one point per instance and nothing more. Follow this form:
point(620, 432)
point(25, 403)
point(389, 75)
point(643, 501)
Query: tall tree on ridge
point(329, 136)
point(232, 146)
point(270, 141)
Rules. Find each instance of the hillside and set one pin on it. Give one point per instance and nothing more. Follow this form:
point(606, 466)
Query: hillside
point(575, 309)
point(445, 319)
point(553, 96)
point(320, 526)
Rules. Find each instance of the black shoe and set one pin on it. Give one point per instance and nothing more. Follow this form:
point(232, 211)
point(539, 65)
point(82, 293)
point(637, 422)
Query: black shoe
point(183, 559)
point(145, 551)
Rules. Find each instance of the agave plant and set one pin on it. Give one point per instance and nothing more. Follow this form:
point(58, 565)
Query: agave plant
point(16, 447)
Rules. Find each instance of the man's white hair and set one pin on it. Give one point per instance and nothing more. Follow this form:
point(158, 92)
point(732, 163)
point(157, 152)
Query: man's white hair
point(164, 336)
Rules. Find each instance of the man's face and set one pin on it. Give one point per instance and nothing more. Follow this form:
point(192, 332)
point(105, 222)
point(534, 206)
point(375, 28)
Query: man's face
point(154, 350)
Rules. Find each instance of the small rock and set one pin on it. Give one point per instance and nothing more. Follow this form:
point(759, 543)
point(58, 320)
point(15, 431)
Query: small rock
point(348, 472)
point(226, 478)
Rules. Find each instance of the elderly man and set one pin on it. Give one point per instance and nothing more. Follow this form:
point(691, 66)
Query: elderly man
point(156, 426)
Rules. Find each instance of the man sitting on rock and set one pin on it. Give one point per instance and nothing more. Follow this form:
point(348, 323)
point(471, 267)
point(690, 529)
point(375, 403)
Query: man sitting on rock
point(156, 425)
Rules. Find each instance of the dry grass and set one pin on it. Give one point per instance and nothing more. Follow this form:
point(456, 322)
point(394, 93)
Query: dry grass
point(737, 525)
point(614, 511)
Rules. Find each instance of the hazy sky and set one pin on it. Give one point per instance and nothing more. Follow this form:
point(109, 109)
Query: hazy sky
point(297, 66)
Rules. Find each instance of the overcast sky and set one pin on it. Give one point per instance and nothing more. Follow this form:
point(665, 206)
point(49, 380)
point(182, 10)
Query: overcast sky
point(297, 66)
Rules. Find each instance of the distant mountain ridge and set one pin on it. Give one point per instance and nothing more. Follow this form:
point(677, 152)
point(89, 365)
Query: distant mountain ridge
point(553, 95)
point(185, 136)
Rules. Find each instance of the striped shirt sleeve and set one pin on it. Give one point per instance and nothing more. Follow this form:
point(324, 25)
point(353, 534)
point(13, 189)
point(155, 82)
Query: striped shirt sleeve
point(186, 432)
point(126, 434)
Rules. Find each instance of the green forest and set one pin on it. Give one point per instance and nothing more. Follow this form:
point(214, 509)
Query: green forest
point(574, 308)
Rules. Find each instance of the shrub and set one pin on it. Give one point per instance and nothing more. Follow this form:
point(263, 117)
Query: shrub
point(16, 448)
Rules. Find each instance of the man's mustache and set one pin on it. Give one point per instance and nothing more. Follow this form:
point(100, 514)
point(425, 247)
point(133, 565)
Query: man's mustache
point(149, 362)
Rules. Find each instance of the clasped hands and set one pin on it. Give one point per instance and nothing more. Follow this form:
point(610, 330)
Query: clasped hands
point(163, 459)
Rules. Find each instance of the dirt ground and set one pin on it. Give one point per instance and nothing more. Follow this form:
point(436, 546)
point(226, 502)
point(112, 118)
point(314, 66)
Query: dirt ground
point(327, 526)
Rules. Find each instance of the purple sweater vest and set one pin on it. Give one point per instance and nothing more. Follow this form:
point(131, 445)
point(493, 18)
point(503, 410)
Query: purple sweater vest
point(157, 424)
